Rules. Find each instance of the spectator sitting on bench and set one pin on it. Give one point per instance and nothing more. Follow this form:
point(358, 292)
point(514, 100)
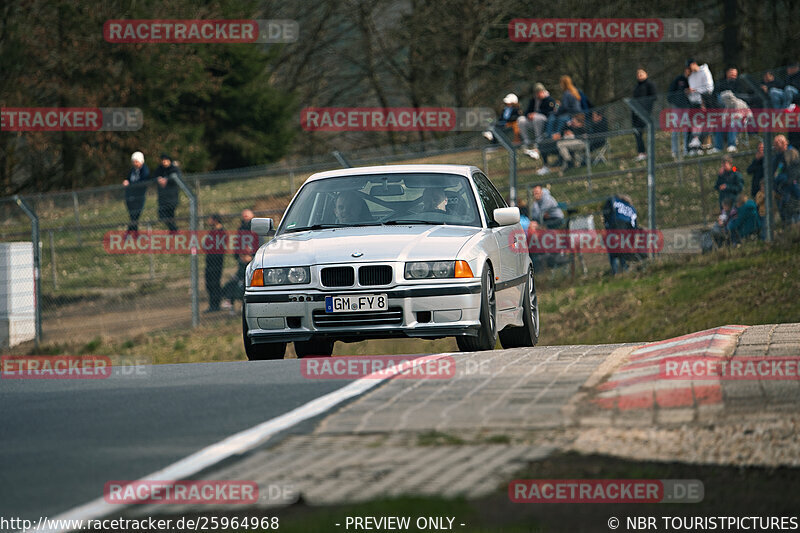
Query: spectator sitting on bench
point(508, 118)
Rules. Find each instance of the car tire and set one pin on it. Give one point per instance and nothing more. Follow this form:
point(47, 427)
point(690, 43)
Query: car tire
point(487, 333)
point(314, 347)
point(262, 351)
point(526, 335)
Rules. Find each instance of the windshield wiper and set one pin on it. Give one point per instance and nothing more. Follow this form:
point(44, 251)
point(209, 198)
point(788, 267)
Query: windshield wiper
point(411, 221)
point(316, 227)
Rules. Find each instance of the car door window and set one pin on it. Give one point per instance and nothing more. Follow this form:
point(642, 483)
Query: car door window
point(489, 197)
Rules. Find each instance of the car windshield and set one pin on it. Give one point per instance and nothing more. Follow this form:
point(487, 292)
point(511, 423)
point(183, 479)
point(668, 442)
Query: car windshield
point(372, 200)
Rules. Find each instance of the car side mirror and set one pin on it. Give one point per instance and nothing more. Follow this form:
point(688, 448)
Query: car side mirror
point(506, 216)
point(261, 226)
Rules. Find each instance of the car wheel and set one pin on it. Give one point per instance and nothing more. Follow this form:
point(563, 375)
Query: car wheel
point(487, 333)
point(318, 347)
point(264, 351)
point(528, 334)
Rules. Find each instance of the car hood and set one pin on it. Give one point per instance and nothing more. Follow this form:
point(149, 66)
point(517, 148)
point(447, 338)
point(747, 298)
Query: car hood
point(379, 243)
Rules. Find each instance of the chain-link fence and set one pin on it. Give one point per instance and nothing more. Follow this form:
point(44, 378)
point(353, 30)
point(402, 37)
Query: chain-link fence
point(86, 289)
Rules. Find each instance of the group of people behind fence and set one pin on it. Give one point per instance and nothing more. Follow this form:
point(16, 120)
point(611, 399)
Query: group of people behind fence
point(224, 296)
point(137, 181)
point(743, 216)
point(220, 296)
point(546, 213)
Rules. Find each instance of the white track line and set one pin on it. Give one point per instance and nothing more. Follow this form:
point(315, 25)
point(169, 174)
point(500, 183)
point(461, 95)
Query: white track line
point(243, 441)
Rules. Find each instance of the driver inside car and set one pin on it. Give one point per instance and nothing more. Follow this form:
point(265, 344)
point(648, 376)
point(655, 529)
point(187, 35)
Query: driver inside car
point(434, 200)
point(351, 208)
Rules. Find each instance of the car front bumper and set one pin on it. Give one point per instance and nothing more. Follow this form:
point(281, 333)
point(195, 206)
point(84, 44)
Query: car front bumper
point(430, 311)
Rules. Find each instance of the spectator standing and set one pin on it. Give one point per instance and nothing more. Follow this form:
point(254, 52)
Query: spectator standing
point(136, 189)
point(756, 170)
point(168, 193)
point(729, 181)
point(701, 88)
point(677, 97)
point(214, 264)
point(787, 179)
point(234, 288)
point(619, 214)
point(740, 91)
point(644, 95)
point(533, 121)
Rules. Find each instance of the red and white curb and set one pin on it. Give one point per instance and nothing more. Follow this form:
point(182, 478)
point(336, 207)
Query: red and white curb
point(638, 384)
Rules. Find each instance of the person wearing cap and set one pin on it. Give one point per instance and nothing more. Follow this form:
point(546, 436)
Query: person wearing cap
point(541, 106)
point(508, 117)
point(135, 189)
point(167, 188)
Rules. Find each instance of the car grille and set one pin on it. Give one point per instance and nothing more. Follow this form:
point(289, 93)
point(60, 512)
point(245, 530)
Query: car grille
point(375, 275)
point(391, 317)
point(338, 276)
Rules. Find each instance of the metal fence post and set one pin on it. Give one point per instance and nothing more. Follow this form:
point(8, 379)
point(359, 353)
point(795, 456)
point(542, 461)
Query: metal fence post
point(512, 164)
point(651, 160)
point(37, 267)
point(194, 268)
point(76, 211)
point(53, 260)
point(341, 159)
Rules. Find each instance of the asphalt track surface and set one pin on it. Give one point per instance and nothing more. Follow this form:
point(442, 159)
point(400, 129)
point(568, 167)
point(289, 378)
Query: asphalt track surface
point(61, 440)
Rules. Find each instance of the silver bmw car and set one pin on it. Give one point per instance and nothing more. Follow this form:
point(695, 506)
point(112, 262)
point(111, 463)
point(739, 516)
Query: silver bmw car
point(425, 251)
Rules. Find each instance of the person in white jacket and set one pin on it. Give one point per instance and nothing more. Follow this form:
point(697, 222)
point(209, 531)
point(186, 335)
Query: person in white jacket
point(701, 87)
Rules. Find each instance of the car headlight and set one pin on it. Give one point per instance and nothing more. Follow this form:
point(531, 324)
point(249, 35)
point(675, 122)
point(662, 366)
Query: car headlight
point(264, 277)
point(437, 270)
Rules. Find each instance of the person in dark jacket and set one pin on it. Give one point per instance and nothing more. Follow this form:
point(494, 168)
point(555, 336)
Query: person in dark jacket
point(570, 105)
point(168, 191)
point(541, 106)
point(677, 98)
point(214, 264)
point(135, 189)
point(234, 288)
point(756, 170)
point(729, 181)
point(644, 94)
point(774, 88)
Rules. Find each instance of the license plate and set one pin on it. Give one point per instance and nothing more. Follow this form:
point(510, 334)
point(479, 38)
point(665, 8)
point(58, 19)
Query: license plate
point(356, 302)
